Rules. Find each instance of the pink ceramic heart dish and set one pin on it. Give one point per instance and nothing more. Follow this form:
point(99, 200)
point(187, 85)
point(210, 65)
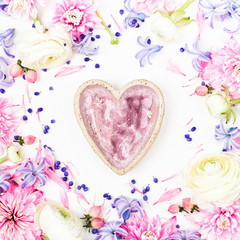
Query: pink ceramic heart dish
point(119, 125)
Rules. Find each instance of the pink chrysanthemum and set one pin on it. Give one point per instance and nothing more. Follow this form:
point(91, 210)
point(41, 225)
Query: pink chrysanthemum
point(17, 208)
point(151, 6)
point(219, 223)
point(224, 68)
point(150, 229)
point(8, 124)
point(23, 8)
point(78, 15)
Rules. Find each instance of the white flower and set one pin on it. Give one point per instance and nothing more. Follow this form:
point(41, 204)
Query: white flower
point(164, 27)
point(58, 223)
point(14, 154)
point(39, 50)
point(217, 105)
point(215, 178)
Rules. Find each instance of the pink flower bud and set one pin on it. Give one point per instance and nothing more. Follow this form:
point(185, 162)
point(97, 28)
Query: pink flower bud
point(16, 70)
point(31, 76)
point(95, 211)
point(174, 208)
point(29, 140)
point(186, 202)
point(201, 90)
point(98, 223)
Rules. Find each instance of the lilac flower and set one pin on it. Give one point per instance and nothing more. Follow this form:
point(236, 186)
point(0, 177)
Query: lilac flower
point(4, 184)
point(3, 81)
point(145, 53)
point(227, 136)
point(33, 172)
point(83, 47)
point(133, 17)
point(3, 7)
point(184, 235)
point(125, 207)
point(4, 40)
point(202, 58)
point(111, 231)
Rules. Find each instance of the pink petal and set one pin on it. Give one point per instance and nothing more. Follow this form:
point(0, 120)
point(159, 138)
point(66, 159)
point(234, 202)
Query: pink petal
point(64, 198)
point(169, 195)
point(69, 70)
point(173, 67)
point(49, 158)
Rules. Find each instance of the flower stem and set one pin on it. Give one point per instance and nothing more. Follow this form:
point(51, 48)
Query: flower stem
point(186, 5)
point(3, 159)
point(234, 101)
point(114, 39)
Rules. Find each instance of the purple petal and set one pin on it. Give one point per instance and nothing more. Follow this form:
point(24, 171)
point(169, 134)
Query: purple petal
point(29, 181)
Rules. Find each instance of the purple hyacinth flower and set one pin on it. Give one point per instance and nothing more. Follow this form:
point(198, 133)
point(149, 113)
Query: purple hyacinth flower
point(227, 136)
point(133, 17)
point(33, 173)
point(148, 49)
point(184, 235)
point(111, 231)
point(5, 39)
point(201, 59)
point(83, 47)
point(3, 80)
point(4, 184)
point(3, 8)
point(125, 207)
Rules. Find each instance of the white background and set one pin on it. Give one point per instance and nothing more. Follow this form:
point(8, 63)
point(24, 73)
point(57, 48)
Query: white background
point(170, 152)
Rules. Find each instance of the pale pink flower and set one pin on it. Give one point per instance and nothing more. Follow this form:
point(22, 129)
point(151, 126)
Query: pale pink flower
point(78, 15)
point(219, 223)
point(23, 8)
point(150, 229)
point(151, 6)
point(17, 208)
point(8, 124)
point(224, 68)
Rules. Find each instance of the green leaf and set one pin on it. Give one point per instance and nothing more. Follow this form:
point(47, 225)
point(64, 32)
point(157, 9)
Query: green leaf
point(177, 15)
point(228, 116)
point(226, 91)
point(234, 115)
point(184, 21)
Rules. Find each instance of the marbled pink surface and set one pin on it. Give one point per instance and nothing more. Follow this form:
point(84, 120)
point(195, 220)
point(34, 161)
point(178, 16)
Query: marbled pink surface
point(121, 129)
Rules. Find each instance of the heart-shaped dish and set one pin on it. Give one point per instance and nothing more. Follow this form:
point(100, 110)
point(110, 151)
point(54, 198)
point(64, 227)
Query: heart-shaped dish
point(119, 125)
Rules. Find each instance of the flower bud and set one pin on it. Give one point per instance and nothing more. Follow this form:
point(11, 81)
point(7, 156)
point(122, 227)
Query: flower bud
point(29, 139)
point(95, 211)
point(98, 223)
point(16, 70)
point(201, 90)
point(186, 202)
point(174, 208)
point(14, 154)
point(217, 105)
point(164, 28)
point(31, 76)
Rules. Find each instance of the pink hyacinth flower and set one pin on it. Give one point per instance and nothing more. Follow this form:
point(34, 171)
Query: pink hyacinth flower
point(78, 15)
point(224, 69)
point(17, 208)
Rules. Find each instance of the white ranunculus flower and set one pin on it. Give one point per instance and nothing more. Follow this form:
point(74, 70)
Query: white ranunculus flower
point(215, 178)
point(164, 27)
point(217, 105)
point(58, 223)
point(39, 50)
point(14, 154)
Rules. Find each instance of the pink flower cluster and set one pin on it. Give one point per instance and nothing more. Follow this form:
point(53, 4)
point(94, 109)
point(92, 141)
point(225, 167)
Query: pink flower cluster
point(17, 208)
point(78, 15)
point(151, 6)
point(152, 229)
point(219, 223)
point(224, 69)
point(8, 124)
point(23, 8)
